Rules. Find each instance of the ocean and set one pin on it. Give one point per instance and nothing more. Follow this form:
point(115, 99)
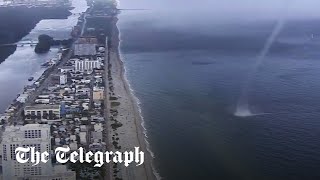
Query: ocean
point(188, 74)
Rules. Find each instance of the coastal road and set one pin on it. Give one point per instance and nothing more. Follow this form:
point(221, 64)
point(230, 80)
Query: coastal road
point(106, 112)
point(84, 24)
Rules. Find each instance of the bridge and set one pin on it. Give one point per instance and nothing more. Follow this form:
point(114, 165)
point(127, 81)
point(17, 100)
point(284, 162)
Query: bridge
point(76, 14)
point(21, 44)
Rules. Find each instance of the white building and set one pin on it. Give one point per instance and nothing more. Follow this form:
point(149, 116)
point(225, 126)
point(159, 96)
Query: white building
point(66, 69)
point(86, 65)
point(42, 101)
point(98, 93)
point(23, 97)
point(83, 138)
point(98, 127)
point(42, 112)
point(31, 135)
point(63, 79)
point(4, 117)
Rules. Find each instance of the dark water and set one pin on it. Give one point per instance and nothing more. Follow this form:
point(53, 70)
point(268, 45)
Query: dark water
point(188, 76)
point(24, 63)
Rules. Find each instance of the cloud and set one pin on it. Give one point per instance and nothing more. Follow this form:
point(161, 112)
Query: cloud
point(228, 8)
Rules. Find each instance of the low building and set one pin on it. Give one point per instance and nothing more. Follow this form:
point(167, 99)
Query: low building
point(73, 146)
point(44, 96)
point(85, 46)
point(83, 128)
point(42, 101)
point(66, 69)
point(63, 79)
point(23, 97)
point(98, 127)
point(95, 147)
point(4, 118)
point(98, 94)
point(83, 138)
point(85, 106)
point(42, 112)
point(59, 172)
point(96, 137)
point(83, 90)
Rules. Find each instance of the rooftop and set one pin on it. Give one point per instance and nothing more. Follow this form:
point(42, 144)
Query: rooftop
point(27, 126)
point(42, 106)
point(87, 40)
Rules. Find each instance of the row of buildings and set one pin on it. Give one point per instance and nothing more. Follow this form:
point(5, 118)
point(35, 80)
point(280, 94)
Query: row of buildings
point(68, 111)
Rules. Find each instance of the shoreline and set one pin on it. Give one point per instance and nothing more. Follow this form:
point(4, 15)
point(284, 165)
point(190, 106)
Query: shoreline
point(132, 133)
point(141, 125)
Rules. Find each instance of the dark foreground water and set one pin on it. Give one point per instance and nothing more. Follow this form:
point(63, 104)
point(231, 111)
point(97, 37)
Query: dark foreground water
point(24, 63)
point(188, 76)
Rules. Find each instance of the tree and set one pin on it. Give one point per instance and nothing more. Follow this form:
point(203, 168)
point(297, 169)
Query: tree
point(44, 43)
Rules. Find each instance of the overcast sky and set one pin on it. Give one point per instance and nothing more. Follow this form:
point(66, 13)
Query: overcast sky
point(259, 8)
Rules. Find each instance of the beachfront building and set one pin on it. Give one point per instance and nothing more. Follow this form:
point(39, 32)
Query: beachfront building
point(85, 46)
point(86, 65)
point(44, 112)
point(98, 93)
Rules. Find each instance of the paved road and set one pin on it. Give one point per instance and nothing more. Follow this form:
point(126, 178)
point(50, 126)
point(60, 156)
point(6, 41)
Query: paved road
point(106, 113)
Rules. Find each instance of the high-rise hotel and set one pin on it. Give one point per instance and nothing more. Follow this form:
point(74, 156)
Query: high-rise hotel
point(30, 135)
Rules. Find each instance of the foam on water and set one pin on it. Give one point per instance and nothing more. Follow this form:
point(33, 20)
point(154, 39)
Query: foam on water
point(243, 112)
point(246, 113)
point(138, 103)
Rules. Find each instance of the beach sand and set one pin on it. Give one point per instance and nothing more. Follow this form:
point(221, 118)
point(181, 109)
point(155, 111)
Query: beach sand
point(124, 129)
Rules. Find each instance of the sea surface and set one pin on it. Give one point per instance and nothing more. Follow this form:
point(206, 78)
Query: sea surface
point(189, 70)
point(24, 63)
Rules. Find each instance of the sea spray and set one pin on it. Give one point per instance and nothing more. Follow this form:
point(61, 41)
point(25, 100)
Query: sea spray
point(243, 107)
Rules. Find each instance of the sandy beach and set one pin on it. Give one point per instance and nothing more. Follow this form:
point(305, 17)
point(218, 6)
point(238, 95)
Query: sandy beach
point(124, 124)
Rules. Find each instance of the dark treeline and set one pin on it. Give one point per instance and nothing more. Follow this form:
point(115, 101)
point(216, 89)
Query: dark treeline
point(45, 42)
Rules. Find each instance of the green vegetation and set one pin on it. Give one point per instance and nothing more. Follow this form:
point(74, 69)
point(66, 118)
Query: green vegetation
point(44, 44)
point(114, 104)
point(113, 98)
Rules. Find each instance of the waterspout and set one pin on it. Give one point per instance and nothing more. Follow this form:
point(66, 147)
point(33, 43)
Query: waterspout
point(243, 108)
